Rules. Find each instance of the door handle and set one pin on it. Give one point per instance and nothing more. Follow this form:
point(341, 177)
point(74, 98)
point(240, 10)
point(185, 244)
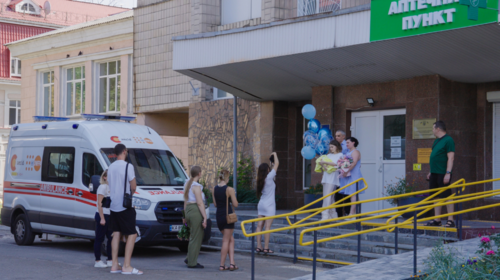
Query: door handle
point(380, 169)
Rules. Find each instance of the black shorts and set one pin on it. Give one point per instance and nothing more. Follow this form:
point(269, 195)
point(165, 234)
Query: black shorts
point(436, 181)
point(123, 222)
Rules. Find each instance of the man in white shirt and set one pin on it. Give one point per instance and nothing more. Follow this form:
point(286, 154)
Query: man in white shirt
point(122, 219)
point(340, 137)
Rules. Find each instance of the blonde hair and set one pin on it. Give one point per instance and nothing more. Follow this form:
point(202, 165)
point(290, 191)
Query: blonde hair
point(224, 175)
point(102, 181)
point(195, 171)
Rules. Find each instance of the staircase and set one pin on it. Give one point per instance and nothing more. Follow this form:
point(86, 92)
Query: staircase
point(374, 245)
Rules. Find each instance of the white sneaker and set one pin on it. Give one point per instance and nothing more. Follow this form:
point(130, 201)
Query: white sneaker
point(110, 263)
point(100, 264)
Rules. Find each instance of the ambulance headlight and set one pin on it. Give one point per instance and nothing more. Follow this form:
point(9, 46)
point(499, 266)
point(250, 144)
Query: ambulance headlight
point(140, 203)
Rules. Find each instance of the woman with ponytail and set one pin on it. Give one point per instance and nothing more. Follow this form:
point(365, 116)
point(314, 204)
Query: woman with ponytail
point(195, 216)
point(221, 194)
point(267, 203)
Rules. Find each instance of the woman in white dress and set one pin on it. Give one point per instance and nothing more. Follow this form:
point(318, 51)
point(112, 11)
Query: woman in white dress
point(330, 181)
point(267, 203)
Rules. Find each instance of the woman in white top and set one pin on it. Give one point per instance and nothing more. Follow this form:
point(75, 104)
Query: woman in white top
point(195, 216)
point(102, 222)
point(267, 204)
point(330, 181)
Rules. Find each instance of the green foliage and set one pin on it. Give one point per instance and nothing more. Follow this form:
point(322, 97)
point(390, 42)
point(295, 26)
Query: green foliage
point(401, 186)
point(184, 233)
point(245, 193)
point(314, 189)
point(206, 190)
point(443, 264)
point(182, 164)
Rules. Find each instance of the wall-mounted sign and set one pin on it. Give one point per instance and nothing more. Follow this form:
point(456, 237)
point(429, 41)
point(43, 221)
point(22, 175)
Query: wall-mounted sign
point(393, 19)
point(422, 129)
point(417, 167)
point(424, 155)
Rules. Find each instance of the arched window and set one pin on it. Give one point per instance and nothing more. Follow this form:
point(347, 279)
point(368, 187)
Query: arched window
point(28, 8)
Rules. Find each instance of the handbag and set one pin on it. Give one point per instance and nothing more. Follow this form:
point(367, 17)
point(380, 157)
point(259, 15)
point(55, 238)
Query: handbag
point(106, 202)
point(127, 197)
point(231, 218)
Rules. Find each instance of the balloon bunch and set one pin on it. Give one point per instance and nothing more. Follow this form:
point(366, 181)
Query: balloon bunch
point(316, 139)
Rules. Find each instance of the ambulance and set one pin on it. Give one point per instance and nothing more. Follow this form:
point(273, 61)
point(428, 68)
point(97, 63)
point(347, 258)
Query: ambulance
point(52, 173)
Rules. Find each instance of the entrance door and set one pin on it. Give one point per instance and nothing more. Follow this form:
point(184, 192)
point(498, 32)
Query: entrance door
point(382, 138)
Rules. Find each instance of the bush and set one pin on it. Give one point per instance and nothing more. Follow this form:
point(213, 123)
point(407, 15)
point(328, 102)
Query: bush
point(401, 186)
point(318, 189)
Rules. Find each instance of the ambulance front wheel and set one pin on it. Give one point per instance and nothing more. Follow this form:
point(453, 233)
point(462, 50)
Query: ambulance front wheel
point(23, 233)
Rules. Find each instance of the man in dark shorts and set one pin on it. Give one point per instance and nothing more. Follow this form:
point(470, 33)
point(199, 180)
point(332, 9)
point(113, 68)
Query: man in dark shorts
point(122, 220)
point(441, 162)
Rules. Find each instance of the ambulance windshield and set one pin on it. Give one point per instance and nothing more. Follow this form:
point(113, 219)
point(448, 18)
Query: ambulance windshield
point(152, 167)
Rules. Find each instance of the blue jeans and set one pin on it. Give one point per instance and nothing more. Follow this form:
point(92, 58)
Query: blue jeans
point(100, 232)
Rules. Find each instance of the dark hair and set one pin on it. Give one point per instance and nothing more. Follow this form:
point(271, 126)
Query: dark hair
point(119, 148)
point(337, 145)
point(261, 177)
point(440, 125)
point(354, 140)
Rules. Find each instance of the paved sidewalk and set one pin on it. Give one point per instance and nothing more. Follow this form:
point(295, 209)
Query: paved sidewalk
point(395, 267)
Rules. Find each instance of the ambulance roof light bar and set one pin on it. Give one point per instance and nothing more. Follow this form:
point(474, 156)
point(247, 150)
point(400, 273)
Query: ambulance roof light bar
point(49, 119)
point(105, 117)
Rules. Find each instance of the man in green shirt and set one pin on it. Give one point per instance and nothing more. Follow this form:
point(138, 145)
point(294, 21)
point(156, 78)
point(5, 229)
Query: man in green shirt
point(441, 162)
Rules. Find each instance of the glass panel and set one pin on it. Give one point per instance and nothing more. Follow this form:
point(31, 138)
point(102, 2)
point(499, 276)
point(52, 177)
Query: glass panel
point(12, 103)
point(52, 100)
point(69, 99)
point(78, 98)
point(46, 78)
point(32, 9)
point(112, 93)
point(18, 103)
point(18, 115)
point(118, 94)
point(19, 67)
point(46, 101)
point(69, 74)
point(112, 68)
point(119, 66)
point(13, 66)
point(24, 7)
point(78, 73)
point(12, 116)
point(103, 97)
point(103, 70)
point(51, 77)
point(83, 96)
point(60, 165)
point(394, 137)
point(83, 72)
point(221, 93)
point(91, 167)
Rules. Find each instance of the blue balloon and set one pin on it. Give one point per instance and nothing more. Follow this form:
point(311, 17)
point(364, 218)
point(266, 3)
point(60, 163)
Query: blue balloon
point(308, 111)
point(308, 152)
point(314, 125)
point(324, 131)
point(322, 149)
point(326, 139)
point(311, 139)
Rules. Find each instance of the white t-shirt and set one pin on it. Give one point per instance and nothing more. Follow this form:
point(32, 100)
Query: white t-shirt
point(332, 178)
point(103, 190)
point(191, 196)
point(116, 177)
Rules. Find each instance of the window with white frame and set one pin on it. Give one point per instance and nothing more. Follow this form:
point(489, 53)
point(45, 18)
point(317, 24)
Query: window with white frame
point(48, 93)
point(15, 67)
point(220, 94)
point(14, 112)
point(75, 91)
point(27, 7)
point(109, 86)
point(240, 10)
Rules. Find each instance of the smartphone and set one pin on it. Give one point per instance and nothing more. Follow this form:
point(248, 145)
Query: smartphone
point(271, 159)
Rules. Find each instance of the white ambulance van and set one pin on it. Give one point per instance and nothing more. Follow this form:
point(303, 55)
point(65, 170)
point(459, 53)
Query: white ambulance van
point(52, 171)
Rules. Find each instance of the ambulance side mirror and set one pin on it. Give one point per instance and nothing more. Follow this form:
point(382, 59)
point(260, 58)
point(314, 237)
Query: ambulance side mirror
point(94, 183)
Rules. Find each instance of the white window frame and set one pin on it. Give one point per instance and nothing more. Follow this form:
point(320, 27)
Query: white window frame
point(51, 92)
point(19, 7)
point(108, 77)
point(17, 62)
point(18, 112)
point(74, 81)
point(216, 94)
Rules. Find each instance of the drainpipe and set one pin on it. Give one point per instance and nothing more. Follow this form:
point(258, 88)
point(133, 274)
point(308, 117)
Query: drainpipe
point(235, 143)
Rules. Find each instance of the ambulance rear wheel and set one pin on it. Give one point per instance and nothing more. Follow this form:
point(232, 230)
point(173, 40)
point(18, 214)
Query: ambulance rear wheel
point(23, 233)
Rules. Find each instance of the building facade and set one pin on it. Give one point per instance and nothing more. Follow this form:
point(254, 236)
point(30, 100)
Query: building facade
point(337, 60)
point(20, 19)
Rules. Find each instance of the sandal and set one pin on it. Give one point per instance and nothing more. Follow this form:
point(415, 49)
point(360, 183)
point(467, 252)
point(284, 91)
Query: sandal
point(222, 268)
point(259, 250)
point(268, 251)
point(233, 267)
point(434, 223)
point(450, 223)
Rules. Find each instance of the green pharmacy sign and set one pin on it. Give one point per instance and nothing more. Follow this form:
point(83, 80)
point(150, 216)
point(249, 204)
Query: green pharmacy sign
point(394, 19)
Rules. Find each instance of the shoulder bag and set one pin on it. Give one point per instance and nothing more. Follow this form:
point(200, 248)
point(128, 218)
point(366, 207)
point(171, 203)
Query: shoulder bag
point(231, 218)
point(127, 197)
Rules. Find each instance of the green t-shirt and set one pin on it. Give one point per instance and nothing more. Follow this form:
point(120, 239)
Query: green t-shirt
point(439, 155)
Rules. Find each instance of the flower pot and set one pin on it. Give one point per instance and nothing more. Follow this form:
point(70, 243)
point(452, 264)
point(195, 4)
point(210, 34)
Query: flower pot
point(412, 200)
point(308, 198)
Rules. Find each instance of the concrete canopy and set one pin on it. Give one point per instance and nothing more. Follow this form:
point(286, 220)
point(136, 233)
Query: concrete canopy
point(251, 71)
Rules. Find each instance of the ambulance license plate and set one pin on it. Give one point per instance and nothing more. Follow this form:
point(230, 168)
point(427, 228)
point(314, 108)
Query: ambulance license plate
point(175, 228)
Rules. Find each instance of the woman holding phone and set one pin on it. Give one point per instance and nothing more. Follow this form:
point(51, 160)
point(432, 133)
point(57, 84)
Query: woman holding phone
point(267, 204)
